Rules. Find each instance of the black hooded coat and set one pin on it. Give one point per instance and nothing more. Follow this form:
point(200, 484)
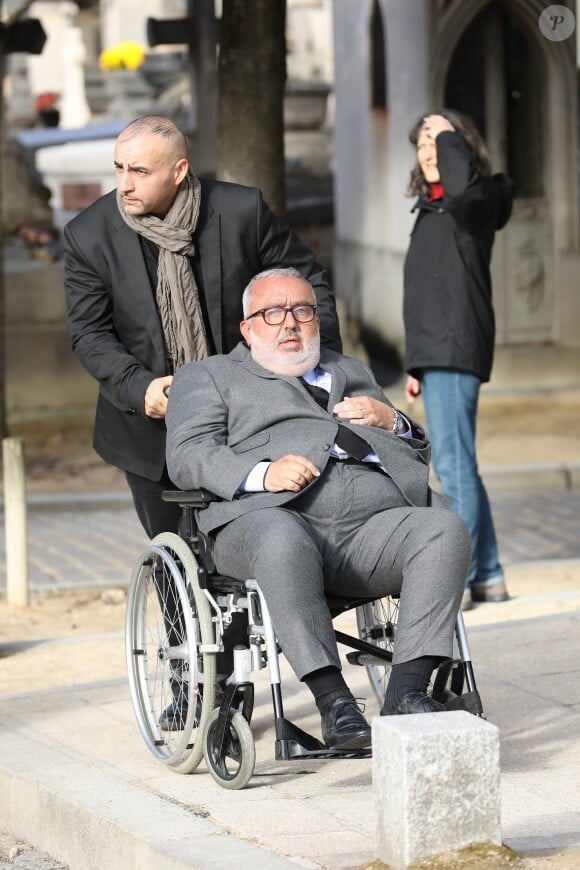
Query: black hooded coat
point(448, 312)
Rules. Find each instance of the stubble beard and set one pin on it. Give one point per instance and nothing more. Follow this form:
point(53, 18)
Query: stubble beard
point(134, 208)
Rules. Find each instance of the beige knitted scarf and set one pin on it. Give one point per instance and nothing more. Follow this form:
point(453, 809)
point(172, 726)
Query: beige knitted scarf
point(176, 293)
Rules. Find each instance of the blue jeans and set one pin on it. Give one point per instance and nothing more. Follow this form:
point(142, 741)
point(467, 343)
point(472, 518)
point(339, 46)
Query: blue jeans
point(450, 402)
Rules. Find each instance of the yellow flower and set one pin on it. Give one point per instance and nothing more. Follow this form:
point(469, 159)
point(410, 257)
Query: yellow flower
point(122, 55)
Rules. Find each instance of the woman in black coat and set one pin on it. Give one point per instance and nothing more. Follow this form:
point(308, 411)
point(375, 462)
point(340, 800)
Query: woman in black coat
point(449, 319)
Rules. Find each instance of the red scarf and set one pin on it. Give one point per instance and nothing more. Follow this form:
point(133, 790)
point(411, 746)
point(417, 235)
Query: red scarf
point(435, 191)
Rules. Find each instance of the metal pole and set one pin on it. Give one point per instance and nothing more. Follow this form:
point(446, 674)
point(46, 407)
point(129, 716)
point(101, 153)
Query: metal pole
point(3, 423)
point(15, 523)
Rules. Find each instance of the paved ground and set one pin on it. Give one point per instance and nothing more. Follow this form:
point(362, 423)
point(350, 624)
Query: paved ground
point(65, 716)
point(70, 749)
point(80, 548)
point(83, 547)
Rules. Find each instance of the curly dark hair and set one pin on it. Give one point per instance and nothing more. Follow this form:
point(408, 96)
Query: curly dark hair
point(464, 125)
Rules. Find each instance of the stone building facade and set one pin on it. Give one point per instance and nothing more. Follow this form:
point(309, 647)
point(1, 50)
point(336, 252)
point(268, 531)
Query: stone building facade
point(491, 60)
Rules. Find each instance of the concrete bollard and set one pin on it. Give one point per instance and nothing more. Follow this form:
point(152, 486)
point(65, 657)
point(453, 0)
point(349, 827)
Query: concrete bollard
point(436, 783)
point(15, 523)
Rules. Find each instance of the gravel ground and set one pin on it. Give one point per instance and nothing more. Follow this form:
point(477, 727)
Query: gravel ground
point(15, 853)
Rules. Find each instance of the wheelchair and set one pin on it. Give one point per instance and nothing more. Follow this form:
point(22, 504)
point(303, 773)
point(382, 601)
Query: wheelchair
point(180, 614)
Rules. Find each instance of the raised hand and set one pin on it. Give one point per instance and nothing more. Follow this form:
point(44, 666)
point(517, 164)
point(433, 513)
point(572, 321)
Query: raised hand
point(365, 410)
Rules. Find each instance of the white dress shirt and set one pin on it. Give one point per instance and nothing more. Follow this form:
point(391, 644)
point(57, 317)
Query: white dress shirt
point(317, 377)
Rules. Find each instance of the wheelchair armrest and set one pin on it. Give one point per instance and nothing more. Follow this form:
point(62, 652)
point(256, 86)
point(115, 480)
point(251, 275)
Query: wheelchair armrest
point(197, 498)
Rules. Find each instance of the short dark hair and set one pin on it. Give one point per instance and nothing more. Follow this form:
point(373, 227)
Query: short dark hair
point(465, 126)
point(160, 126)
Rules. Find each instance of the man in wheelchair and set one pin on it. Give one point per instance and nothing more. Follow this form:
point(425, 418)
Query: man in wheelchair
point(323, 490)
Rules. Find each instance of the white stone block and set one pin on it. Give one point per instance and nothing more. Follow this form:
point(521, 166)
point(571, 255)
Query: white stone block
point(436, 782)
point(74, 108)
point(76, 174)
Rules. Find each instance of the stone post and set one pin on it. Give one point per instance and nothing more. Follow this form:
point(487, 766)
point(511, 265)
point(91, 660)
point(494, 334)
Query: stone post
point(15, 523)
point(436, 785)
point(74, 108)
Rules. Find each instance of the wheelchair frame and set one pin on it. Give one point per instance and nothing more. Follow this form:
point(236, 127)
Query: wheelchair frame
point(178, 609)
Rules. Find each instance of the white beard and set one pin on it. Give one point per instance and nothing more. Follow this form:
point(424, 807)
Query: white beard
point(291, 362)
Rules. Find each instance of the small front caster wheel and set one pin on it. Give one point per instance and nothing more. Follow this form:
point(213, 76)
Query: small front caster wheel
point(231, 764)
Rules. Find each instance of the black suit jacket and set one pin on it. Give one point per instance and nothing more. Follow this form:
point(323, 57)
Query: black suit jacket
point(113, 318)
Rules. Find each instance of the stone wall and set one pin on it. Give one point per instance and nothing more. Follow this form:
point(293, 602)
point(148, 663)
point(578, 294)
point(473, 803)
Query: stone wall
point(23, 199)
point(43, 378)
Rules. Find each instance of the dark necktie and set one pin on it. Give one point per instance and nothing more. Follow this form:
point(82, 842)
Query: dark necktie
point(346, 439)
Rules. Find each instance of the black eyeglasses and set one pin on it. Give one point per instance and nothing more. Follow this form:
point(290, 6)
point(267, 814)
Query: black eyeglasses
point(276, 316)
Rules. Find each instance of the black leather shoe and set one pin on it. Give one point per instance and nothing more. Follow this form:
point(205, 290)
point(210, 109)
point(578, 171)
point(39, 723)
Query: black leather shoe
point(415, 702)
point(173, 718)
point(496, 592)
point(344, 726)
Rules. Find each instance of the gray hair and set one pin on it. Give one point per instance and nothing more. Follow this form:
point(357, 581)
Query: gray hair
point(287, 272)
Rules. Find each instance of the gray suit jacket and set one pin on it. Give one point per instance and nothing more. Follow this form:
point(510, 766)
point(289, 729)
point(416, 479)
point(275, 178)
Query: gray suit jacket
point(227, 413)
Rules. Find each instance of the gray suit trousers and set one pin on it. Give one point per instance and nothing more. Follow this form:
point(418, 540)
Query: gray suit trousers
point(351, 535)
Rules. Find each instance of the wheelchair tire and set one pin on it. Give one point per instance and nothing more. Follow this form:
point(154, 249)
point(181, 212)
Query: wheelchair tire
point(233, 764)
point(377, 624)
point(163, 670)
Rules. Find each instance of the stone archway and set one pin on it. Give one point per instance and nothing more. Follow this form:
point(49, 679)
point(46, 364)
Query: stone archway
point(497, 44)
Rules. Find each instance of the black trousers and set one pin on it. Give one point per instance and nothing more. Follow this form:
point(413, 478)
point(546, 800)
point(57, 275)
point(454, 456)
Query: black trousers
point(156, 516)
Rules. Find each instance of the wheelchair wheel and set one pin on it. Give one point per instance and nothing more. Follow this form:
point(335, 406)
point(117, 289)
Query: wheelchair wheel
point(377, 624)
point(168, 617)
point(232, 764)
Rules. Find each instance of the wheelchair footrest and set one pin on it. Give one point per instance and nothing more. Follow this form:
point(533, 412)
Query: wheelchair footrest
point(469, 701)
point(366, 660)
point(292, 742)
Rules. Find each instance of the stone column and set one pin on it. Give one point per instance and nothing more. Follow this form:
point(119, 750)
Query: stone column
point(407, 35)
point(495, 88)
point(374, 157)
point(122, 22)
point(126, 21)
point(360, 146)
point(47, 71)
point(74, 108)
